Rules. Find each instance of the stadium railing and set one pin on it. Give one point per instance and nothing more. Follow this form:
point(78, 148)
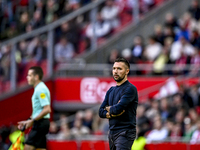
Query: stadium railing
point(82, 69)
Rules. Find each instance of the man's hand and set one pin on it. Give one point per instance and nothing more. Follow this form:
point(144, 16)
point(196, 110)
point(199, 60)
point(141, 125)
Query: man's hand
point(108, 115)
point(108, 108)
point(27, 124)
point(21, 124)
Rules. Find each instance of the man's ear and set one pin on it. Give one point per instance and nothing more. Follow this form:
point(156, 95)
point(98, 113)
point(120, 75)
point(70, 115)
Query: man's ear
point(36, 77)
point(127, 71)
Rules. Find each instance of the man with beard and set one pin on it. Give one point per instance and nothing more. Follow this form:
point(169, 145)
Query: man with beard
point(119, 106)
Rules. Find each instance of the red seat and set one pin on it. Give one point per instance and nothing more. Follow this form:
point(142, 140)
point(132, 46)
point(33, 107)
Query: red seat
point(99, 145)
point(166, 146)
point(150, 147)
point(93, 145)
point(86, 145)
point(107, 146)
point(177, 146)
point(194, 147)
point(61, 145)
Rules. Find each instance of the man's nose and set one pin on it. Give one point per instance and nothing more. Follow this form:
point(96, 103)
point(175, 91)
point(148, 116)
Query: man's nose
point(115, 71)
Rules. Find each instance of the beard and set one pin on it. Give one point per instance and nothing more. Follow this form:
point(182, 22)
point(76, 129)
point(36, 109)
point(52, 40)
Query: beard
point(119, 79)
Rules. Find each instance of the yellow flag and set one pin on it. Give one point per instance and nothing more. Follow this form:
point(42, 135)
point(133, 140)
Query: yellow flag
point(18, 145)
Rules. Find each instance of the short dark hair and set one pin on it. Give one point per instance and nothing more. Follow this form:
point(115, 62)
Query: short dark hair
point(37, 71)
point(121, 59)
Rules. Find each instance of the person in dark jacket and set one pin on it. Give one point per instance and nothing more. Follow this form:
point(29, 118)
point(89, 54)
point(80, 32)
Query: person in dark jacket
point(119, 106)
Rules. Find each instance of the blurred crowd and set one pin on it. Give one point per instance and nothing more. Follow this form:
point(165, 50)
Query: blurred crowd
point(20, 16)
point(85, 122)
point(176, 42)
point(172, 118)
point(71, 38)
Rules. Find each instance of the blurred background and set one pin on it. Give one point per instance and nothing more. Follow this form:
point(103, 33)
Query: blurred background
point(76, 42)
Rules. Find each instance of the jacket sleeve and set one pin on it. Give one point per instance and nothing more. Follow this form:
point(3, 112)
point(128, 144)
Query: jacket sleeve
point(102, 111)
point(130, 94)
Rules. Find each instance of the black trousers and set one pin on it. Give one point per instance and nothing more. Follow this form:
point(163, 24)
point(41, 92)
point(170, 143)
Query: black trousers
point(37, 136)
point(122, 140)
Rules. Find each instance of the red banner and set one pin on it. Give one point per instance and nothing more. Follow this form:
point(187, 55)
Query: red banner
point(93, 89)
point(89, 90)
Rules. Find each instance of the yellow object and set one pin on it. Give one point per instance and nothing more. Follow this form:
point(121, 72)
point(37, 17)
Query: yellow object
point(42, 95)
point(139, 144)
point(17, 138)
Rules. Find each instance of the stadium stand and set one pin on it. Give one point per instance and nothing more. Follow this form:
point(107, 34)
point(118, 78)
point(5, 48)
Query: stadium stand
point(35, 14)
point(175, 117)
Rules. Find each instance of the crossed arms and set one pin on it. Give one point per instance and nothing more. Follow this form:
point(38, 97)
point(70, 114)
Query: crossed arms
point(118, 109)
point(105, 110)
point(109, 115)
